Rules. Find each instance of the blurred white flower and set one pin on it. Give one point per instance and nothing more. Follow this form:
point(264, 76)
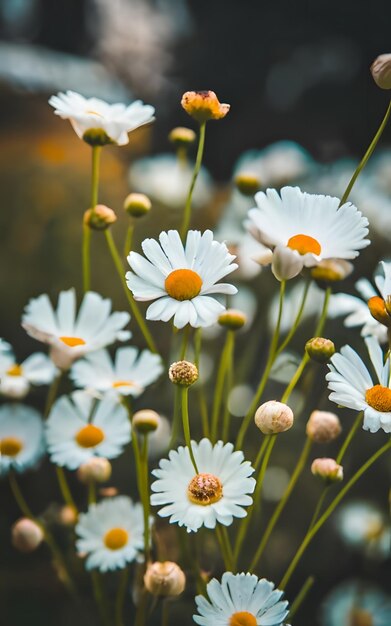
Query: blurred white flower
point(17, 378)
point(159, 439)
point(356, 603)
point(363, 526)
point(21, 438)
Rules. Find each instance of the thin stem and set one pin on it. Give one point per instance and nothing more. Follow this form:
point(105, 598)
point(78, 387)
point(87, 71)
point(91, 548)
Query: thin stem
point(128, 240)
point(228, 388)
point(261, 452)
point(165, 612)
point(301, 596)
point(297, 319)
point(100, 599)
point(120, 599)
point(64, 488)
point(225, 359)
point(186, 424)
point(146, 503)
point(133, 306)
point(224, 548)
point(52, 394)
point(176, 417)
point(96, 152)
point(357, 422)
point(200, 386)
point(187, 210)
point(185, 342)
point(313, 531)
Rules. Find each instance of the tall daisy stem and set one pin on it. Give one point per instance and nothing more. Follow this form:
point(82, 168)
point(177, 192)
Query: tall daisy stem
point(146, 503)
point(186, 424)
point(100, 598)
point(187, 210)
point(120, 599)
point(86, 252)
point(225, 360)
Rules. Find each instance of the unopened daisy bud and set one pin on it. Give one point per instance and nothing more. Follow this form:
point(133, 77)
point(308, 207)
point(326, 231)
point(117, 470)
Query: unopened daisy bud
point(323, 426)
point(378, 310)
point(164, 579)
point(26, 535)
point(108, 492)
point(327, 469)
point(232, 319)
point(274, 417)
point(183, 373)
point(146, 421)
point(331, 270)
point(67, 515)
point(320, 349)
point(182, 137)
point(137, 204)
point(99, 218)
point(96, 469)
point(203, 106)
point(247, 183)
point(381, 71)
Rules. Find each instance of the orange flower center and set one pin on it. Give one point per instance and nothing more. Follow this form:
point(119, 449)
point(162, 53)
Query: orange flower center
point(10, 446)
point(183, 284)
point(14, 370)
point(304, 244)
point(379, 398)
point(73, 341)
point(242, 618)
point(205, 489)
point(359, 617)
point(116, 538)
point(89, 436)
point(378, 310)
point(123, 383)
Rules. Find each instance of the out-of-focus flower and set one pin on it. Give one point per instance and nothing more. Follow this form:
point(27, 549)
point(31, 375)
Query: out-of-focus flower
point(182, 137)
point(274, 417)
point(100, 217)
point(21, 438)
point(130, 373)
point(363, 526)
point(98, 122)
point(232, 319)
point(164, 579)
point(79, 428)
point(71, 336)
point(331, 270)
point(146, 421)
point(17, 378)
point(327, 469)
point(352, 385)
point(355, 603)
point(241, 600)
point(159, 440)
point(26, 535)
point(181, 279)
point(204, 106)
point(239, 400)
point(331, 231)
point(323, 426)
point(216, 494)
point(381, 71)
point(274, 483)
point(247, 183)
point(111, 533)
point(95, 470)
point(137, 204)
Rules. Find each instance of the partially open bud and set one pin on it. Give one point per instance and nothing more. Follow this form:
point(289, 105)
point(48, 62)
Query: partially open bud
point(164, 579)
point(378, 310)
point(137, 204)
point(327, 469)
point(145, 421)
point(331, 270)
point(323, 426)
point(286, 263)
point(247, 183)
point(203, 106)
point(232, 319)
point(183, 373)
point(182, 137)
point(320, 349)
point(96, 469)
point(99, 218)
point(26, 535)
point(381, 71)
point(274, 417)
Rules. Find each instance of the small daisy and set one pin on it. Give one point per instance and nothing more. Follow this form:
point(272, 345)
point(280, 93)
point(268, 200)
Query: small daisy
point(302, 229)
point(355, 603)
point(17, 378)
point(181, 278)
point(71, 336)
point(93, 119)
point(363, 526)
point(129, 375)
point(80, 427)
point(352, 385)
point(21, 438)
point(241, 600)
point(111, 533)
point(217, 493)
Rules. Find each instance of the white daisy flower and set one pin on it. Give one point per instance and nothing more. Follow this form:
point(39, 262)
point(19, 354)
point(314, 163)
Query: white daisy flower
point(352, 385)
point(94, 119)
point(17, 378)
point(21, 438)
point(71, 336)
point(80, 427)
point(355, 603)
point(111, 533)
point(181, 278)
point(241, 600)
point(217, 493)
point(129, 375)
point(302, 229)
point(5, 346)
point(363, 526)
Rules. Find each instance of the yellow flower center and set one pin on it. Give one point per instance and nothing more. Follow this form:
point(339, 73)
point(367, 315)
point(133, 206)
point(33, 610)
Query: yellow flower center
point(242, 618)
point(304, 244)
point(359, 617)
point(205, 489)
point(123, 383)
point(378, 310)
point(89, 436)
point(15, 370)
point(116, 538)
point(183, 284)
point(10, 446)
point(374, 531)
point(379, 398)
point(71, 342)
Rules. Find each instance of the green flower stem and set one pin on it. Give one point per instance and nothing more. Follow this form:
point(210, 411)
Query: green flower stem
point(224, 366)
point(281, 505)
point(133, 306)
point(128, 240)
point(146, 507)
point(120, 599)
point(186, 423)
point(330, 509)
point(100, 597)
point(301, 596)
point(228, 388)
point(187, 210)
point(91, 492)
point(367, 155)
point(64, 488)
point(176, 417)
point(185, 342)
point(225, 551)
point(200, 387)
point(96, 152)
point(52, 394)
point(165, 612)
point(262, 384)
point(261, 452)
point(297, 321)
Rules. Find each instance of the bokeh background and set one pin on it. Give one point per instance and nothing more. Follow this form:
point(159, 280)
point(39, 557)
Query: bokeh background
point(292, 71)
